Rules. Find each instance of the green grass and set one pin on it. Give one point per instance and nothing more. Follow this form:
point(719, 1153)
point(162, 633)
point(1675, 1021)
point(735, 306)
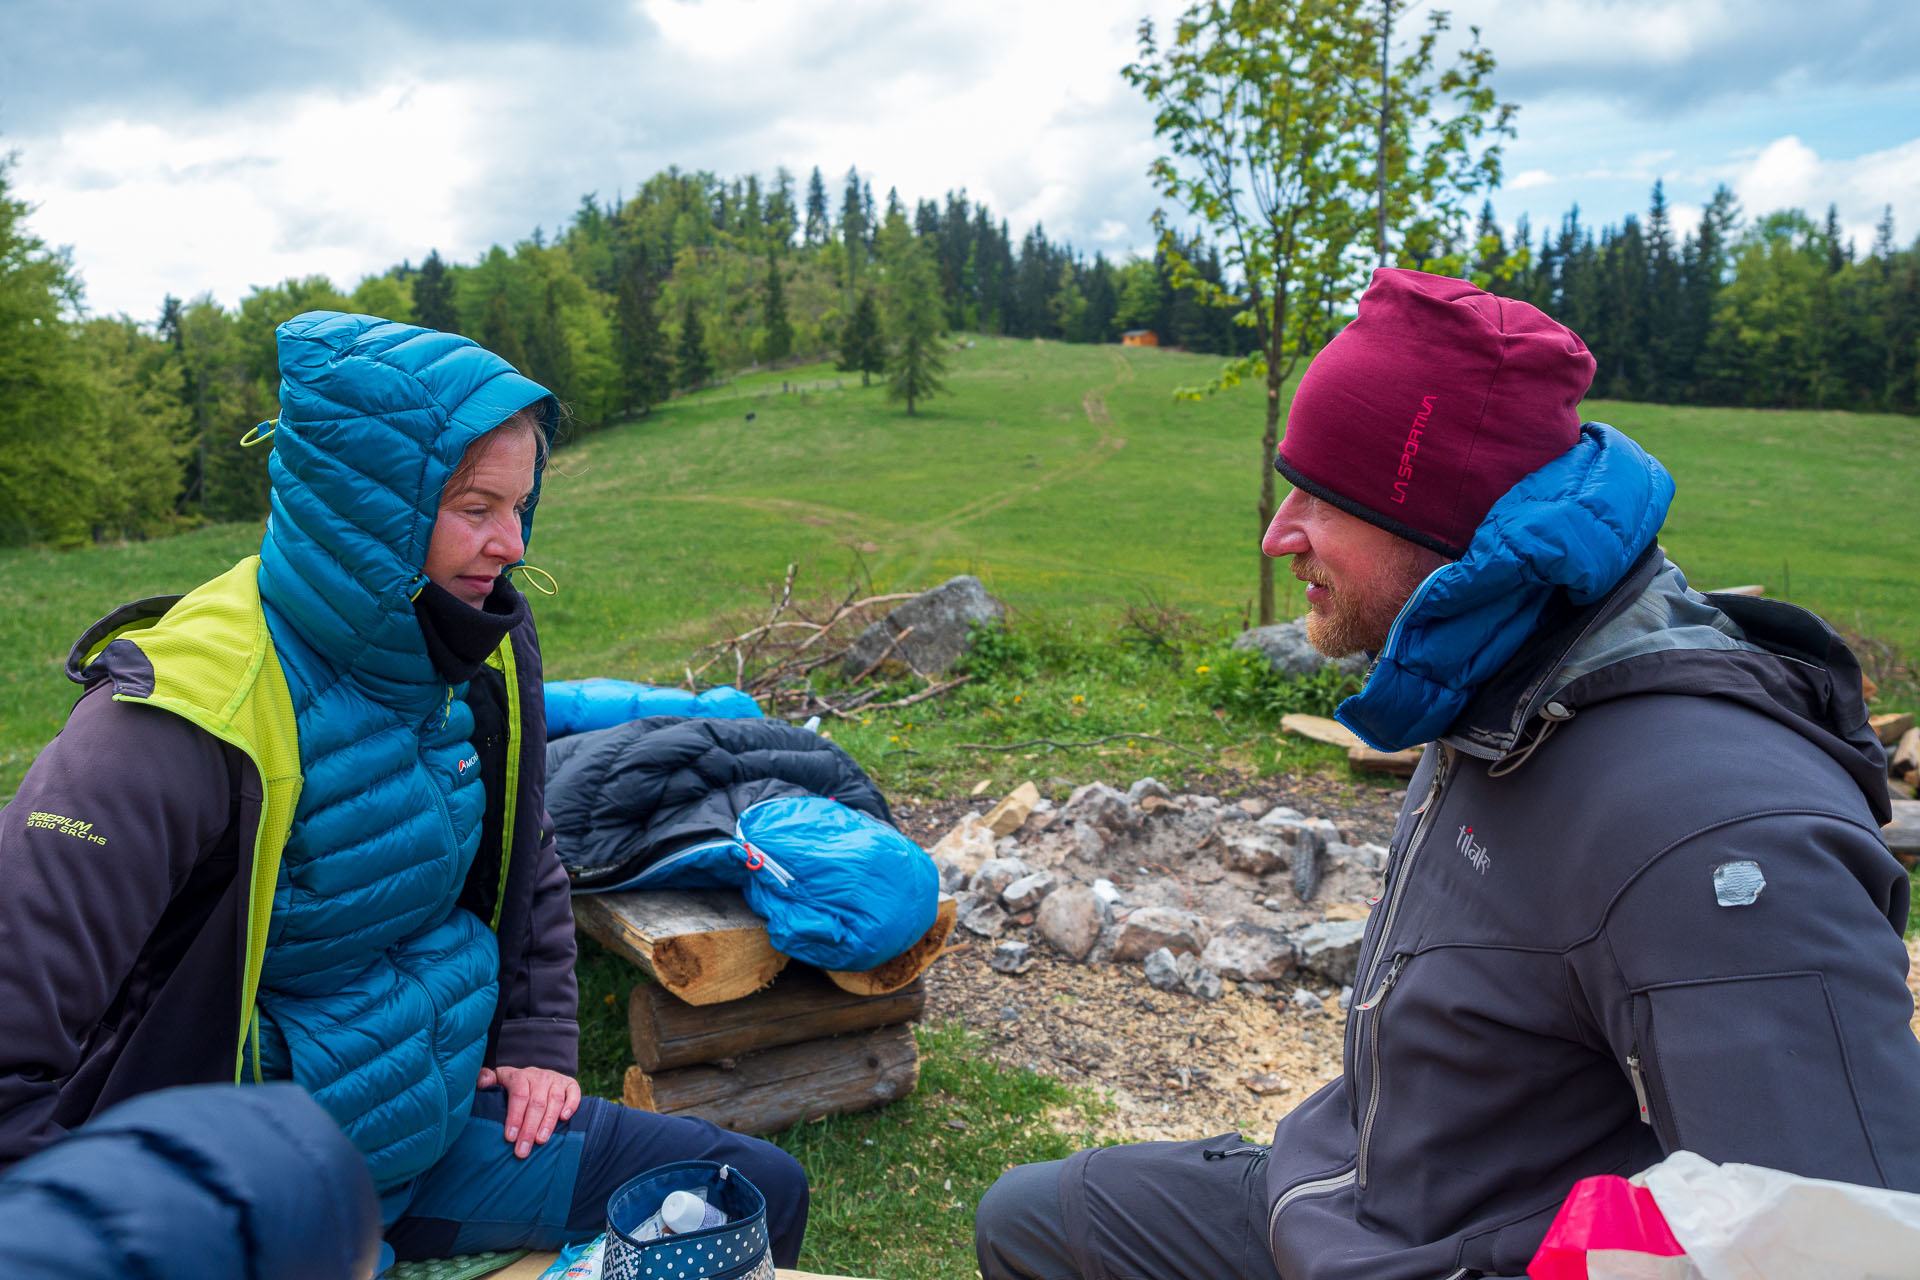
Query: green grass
point(1065, 476)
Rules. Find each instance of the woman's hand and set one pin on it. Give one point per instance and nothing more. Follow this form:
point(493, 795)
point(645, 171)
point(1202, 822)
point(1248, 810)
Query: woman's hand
point(537, 1100)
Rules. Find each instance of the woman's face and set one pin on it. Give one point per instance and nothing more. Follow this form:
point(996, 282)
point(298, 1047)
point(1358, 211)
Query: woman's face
point(477, 533)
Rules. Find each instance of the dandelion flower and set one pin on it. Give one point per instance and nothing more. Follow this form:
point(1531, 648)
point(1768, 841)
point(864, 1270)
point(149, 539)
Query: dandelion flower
point(1202, 669)
point(1077, 699)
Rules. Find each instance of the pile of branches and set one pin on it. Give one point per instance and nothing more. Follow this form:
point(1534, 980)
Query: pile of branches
point(775, 659)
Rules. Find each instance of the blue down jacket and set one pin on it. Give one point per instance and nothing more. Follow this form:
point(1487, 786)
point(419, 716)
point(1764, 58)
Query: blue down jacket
point(186, 1184)
point(774, 809)
point(1636, 901)
point(377, 991)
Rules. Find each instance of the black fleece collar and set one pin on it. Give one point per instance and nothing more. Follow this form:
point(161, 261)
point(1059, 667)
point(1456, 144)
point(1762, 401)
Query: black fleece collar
point(459, 637)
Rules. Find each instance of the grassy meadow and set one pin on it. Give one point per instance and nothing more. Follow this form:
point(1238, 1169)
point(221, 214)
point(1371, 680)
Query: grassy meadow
point(1067, 477)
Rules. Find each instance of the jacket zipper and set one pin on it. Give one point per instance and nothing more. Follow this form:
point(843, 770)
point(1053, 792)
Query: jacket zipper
point(1639, 1085)
point(642, 879)
point(1402, 873)
point(1300, 1190)
point(1373, 1059)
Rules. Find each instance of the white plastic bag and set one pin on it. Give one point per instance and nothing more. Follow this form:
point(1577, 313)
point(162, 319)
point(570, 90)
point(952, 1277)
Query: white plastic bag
point(1743, 1222)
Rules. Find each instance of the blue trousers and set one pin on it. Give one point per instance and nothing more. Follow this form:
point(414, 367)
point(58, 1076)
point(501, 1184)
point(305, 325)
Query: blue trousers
point(480, 1197)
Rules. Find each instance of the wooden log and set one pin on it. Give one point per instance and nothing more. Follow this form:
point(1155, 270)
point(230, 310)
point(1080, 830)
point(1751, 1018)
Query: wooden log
point(802, 1004)
point(704, 946)
point(1400, 764)
point(909, 964)
point(779, 1088)
point(1321, 729)
point(1890, 728)
point(1903, 833)
point(1905, 765)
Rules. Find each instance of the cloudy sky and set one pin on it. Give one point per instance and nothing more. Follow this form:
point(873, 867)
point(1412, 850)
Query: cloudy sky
point(213, 145)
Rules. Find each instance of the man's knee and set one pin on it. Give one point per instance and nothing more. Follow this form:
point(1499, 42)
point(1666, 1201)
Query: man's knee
point(1018, 1231)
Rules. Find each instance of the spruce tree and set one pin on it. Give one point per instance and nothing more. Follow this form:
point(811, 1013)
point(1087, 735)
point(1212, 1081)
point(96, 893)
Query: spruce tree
point(862, 346)
point(693, 364)
point(778, 344)
point(646, 374)
point(916, 315)
point(433, 295)
point(817, 224)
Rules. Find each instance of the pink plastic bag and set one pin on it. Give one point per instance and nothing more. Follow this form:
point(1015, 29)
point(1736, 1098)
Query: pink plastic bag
point(1609, 1229)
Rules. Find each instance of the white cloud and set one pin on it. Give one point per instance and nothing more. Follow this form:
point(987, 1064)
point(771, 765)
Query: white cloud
point(1531, 178)
point(1788, 174)
point(341, 188)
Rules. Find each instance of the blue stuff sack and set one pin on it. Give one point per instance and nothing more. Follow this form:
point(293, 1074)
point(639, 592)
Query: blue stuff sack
point(734, 1250)
point(576, 706)
point(837, 888)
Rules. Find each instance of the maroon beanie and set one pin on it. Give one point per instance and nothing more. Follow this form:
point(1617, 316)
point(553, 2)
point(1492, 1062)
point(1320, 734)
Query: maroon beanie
point(1436, 400)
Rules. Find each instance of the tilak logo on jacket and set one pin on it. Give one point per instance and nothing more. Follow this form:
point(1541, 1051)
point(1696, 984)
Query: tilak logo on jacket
point(1411, 448)
point(1477, 856)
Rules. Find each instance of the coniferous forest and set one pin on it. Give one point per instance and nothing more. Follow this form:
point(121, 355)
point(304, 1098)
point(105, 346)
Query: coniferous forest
point(121, 427)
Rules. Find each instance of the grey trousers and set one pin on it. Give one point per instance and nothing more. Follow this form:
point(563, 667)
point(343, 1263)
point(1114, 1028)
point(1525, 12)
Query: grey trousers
point(1148, 1211)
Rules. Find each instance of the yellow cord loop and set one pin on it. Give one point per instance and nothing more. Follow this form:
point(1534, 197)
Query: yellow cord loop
point(255, 435)
point(550, 588)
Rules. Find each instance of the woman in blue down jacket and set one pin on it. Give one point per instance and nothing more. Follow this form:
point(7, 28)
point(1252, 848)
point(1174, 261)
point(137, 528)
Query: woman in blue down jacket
point(294, 828)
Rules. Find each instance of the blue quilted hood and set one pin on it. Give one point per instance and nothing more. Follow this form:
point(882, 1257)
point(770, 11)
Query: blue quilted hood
point(1578, 524)
point(374, 416)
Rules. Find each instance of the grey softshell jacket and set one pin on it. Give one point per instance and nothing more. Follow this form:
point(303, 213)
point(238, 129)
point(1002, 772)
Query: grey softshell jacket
point(1637, 902)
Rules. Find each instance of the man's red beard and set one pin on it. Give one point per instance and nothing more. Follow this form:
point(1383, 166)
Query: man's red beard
point(1358, 616)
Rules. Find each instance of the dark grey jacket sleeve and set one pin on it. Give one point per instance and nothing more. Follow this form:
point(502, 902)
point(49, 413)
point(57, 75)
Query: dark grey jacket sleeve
point(109, 822)
point(1759, 994)
point(539, 1026)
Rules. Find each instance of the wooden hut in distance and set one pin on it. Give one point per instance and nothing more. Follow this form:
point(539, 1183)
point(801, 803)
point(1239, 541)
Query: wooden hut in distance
point(1139, 338)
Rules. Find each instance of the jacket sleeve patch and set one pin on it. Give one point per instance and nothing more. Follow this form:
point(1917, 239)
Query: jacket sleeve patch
point(40, 819)
point(1738, 884)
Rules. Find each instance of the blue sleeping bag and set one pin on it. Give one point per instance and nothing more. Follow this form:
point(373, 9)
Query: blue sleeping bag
point(837, 888)
point(575, 706)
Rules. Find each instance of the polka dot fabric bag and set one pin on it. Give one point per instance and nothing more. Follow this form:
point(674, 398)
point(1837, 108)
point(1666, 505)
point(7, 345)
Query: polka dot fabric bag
point(734, 1250)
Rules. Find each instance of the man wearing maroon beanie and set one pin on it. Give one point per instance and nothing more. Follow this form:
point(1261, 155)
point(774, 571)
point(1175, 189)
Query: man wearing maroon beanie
point(1636, 900)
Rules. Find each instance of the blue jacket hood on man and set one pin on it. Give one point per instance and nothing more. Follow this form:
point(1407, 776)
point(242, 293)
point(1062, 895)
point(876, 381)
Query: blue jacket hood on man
point(1557, 981)
point(1576, 525)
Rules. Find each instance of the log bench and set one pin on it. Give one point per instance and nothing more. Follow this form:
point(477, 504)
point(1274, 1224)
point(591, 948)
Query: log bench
point(730, 1031)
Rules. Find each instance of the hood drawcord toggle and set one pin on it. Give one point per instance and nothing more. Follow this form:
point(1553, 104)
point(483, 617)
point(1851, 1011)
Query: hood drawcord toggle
point(1555, 715)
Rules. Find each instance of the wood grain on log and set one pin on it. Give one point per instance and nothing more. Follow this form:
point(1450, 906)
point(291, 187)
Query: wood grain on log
point(1401, 764)
point(800, 1005)
point(779, 1088)
point(1320, 729)
point(1905, 765)
point(704, 946)
point(909, 964)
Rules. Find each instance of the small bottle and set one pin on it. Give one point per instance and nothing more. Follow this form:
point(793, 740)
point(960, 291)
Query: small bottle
point(683, 1212)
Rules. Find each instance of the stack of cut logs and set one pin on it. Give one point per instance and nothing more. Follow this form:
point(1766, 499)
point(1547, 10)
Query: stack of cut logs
point(729, 1030)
